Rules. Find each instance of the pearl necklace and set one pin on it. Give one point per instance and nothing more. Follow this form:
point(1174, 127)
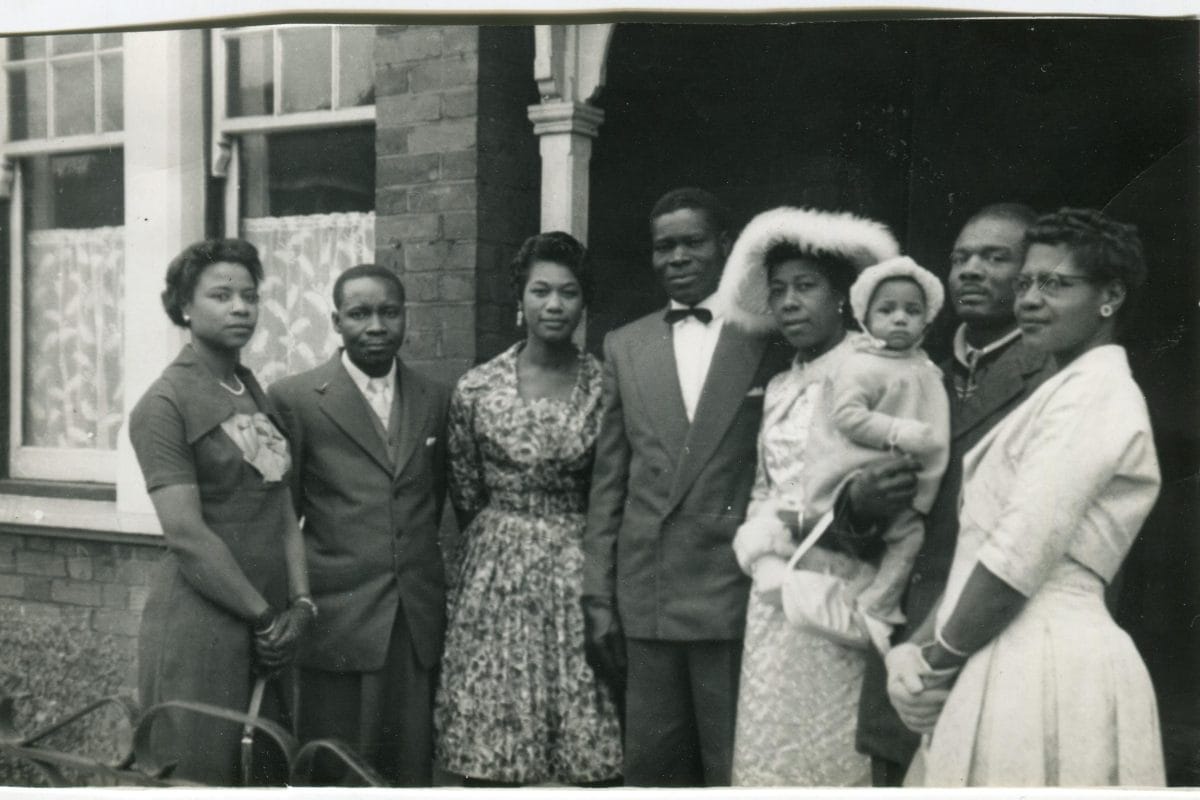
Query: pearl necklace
point(238, 392)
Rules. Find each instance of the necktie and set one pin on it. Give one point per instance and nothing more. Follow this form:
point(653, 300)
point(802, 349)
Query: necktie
point(377, 397)
point(677, 314)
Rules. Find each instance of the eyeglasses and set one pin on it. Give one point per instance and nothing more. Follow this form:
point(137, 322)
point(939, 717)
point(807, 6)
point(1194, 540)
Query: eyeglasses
point(1049, 284)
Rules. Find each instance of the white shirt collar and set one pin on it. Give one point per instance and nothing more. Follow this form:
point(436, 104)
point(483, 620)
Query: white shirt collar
point(361, 378)
point(967, 355)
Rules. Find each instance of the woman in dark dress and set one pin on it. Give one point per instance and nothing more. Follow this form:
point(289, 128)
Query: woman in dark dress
point(518, 702)
point(230, 599)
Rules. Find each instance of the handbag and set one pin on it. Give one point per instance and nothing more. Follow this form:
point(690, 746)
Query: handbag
point(821, 602)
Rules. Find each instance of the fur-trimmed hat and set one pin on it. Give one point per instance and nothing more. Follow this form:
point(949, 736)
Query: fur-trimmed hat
point(901, 267)
point(742, 293)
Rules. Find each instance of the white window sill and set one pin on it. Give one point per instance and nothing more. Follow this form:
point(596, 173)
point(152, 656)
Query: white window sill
point(88, 515)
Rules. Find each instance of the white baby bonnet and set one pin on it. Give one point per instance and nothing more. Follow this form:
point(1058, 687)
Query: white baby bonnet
point(899, 267)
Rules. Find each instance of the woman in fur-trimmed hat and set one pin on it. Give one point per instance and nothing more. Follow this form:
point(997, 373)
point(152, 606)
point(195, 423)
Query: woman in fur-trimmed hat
point(791, 270)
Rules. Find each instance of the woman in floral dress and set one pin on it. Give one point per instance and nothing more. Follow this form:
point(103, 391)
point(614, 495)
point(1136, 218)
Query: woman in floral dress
point(518, 703)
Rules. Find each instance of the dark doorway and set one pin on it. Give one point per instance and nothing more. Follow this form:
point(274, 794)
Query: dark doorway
point(919, 123)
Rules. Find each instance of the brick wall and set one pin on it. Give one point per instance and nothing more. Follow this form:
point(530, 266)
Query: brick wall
point(456, 181)
point(94, 588)
point(509, 178)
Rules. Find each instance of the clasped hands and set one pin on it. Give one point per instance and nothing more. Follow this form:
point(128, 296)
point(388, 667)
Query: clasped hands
point(917, 690)
point(276, 642)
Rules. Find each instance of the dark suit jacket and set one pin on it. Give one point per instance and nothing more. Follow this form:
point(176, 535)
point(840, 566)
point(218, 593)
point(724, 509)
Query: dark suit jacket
point(667, 497)
point(1011, 378)
point(370, 525)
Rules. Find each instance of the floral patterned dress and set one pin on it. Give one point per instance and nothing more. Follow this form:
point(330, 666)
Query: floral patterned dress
point(517, 700)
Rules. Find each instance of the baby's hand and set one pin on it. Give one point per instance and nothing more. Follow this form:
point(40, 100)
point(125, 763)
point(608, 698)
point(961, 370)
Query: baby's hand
point(914, 436)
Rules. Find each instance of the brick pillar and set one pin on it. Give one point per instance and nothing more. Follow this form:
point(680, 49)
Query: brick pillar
point(456, 182)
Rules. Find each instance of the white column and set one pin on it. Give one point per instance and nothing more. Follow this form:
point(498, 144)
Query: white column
point(565, 130)
point(164, 210)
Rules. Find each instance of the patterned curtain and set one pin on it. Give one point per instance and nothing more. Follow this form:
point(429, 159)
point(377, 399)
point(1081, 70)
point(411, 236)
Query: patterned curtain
point(74, 287)
point(301, 256)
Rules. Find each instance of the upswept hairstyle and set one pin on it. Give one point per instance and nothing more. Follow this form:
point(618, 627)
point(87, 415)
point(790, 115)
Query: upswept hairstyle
point(556, 247)
point(1106, 250)
point(365, 271)
point(184, 270)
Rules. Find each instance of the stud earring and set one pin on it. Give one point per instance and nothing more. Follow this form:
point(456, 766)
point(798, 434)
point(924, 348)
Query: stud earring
point(1106, 310)
point(186, 319)
point(520, 316)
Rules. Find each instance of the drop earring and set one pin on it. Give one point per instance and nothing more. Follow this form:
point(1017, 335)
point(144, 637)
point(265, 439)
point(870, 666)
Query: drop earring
point(1106, 310)
point(520, 316)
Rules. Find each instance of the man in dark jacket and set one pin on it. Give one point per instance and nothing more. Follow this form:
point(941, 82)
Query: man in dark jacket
point(990, 373)
point(683, 398)
point(369, 450)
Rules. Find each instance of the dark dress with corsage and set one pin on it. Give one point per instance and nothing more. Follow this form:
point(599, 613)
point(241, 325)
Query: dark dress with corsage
point(186, 429)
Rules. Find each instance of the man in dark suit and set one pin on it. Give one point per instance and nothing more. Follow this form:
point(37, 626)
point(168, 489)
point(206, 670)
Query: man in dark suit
point(683, 396)
point(989, 374)
point(368, 449)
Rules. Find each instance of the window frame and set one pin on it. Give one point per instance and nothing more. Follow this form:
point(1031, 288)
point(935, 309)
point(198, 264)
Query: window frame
point(24, 462)
point(227, 131)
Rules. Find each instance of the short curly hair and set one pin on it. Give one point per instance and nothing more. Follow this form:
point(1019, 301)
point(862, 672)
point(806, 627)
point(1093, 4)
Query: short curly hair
point(1103, 248)
point(556, 247)
point(184, 270)
point(691, 197)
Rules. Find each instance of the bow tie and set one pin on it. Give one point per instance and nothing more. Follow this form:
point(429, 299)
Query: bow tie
point(678, 314)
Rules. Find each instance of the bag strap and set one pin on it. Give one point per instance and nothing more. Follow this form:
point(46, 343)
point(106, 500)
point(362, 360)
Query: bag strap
point(811, 540)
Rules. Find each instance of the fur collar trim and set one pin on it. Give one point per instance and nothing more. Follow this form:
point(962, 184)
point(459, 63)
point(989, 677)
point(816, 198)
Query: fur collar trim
point(742, 293)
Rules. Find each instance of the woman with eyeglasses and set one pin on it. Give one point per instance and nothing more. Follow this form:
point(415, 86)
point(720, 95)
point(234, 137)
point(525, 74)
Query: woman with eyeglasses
point(1046, 689)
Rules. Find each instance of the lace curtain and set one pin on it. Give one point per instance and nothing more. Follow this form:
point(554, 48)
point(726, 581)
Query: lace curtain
point(73, 320)
point(301, 256)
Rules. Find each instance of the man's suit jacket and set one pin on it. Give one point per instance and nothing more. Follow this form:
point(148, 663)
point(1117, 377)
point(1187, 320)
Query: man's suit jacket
point(370, 517)
point(1011, 378)
point(667, 497)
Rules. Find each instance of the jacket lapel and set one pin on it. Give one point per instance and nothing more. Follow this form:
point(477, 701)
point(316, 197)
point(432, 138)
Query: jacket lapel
point(343, 403)
point(1007, 379)
point(734, 364)
point(413, 398)
point(658, 384)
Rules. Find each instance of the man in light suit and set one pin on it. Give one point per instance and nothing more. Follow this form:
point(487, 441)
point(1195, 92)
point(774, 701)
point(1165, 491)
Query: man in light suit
point(368, 449)
point(683, 396)
point(990, 373)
